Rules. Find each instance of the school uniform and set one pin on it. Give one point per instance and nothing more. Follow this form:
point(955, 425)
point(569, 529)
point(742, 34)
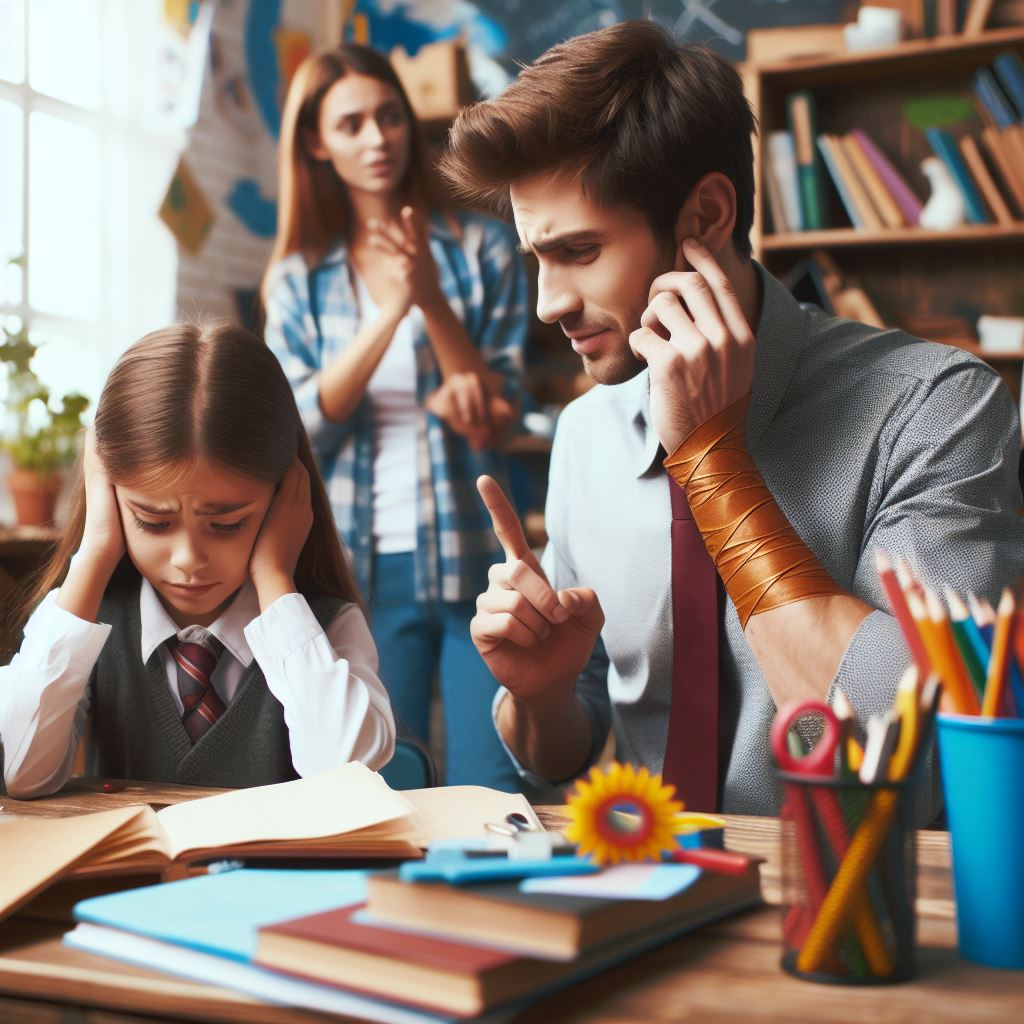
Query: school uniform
point(298, 685)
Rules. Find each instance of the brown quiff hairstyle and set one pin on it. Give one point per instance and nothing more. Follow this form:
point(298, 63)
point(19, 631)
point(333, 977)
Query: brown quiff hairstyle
point(212, 393)
point(635, 117)
point(313, 208)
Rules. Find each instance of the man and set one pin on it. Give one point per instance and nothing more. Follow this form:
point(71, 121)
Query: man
point(801, 442)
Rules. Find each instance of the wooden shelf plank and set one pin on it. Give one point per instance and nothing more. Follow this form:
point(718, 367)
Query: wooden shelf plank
point(910, 50)
point(850, 238)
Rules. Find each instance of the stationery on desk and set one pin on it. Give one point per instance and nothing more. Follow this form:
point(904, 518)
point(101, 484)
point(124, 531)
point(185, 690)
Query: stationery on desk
point(843, 926)
point(977, 653)
point(314, 938)
point(466, 930)
point(348, 812)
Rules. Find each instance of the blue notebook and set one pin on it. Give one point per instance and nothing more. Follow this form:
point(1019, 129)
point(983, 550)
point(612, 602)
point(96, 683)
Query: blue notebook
point(221, 913)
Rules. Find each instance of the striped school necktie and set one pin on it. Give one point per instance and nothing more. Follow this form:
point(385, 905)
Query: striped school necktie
point(196, 653)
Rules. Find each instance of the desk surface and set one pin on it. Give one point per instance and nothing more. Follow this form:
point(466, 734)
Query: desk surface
point(726, 972)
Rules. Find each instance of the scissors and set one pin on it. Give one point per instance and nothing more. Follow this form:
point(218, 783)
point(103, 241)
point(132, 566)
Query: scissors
point(820, 764)
point(821, 760)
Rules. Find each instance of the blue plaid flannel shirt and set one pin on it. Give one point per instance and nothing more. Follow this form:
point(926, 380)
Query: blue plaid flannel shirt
point(483, 278)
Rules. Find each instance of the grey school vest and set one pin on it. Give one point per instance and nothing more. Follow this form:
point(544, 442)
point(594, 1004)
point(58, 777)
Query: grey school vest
point(136, 728)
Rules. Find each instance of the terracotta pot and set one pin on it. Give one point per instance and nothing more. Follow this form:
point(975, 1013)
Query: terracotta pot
point(35, 496)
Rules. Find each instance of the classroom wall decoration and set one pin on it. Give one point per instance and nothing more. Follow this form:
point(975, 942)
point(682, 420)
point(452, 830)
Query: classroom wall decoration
point(499, 33)
point(246, 56)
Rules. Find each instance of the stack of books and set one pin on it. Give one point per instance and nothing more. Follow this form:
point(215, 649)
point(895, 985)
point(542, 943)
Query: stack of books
point(388, 945)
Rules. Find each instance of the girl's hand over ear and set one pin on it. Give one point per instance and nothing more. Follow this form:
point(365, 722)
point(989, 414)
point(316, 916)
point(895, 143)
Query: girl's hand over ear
point(103, 536)
point(102, 544)
point(282, 536)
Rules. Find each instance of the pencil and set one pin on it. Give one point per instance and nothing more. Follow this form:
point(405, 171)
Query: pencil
point(995, 684)
point(958, 683)
point(973, 649)
point(898, 604)
point(926, 628)
point(981, 610)
point(851, 750)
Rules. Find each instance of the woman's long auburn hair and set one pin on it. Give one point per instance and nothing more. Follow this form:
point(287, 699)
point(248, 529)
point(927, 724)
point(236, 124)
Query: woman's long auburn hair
point(212, 393)
point(313, 208)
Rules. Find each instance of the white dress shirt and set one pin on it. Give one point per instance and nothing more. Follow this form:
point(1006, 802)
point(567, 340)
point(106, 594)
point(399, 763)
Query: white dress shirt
point(336, 709)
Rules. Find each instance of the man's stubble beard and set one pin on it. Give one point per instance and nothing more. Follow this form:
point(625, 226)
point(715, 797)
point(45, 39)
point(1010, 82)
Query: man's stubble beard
point(622, 365)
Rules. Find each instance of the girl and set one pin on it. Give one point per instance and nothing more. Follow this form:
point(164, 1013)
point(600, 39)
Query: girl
point(401, 331)
point(208, 623)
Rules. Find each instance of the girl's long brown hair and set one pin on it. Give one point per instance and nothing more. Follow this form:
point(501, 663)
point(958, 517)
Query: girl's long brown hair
point(313, 209)
point(211, 392)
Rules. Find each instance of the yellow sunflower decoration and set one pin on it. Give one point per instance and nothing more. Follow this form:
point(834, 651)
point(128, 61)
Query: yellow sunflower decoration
point(622, 815)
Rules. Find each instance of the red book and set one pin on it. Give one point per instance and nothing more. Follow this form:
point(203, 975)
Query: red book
point(454, 977)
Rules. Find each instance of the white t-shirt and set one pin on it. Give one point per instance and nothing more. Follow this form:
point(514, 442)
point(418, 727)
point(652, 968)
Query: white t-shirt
point(395, 409)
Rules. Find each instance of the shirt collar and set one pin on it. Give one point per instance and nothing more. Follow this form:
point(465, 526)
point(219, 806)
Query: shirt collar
point(775, 356)
point(441, 225)
point(229, 629)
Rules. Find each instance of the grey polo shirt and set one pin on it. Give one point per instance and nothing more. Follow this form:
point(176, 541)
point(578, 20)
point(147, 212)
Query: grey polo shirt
point(866, 438)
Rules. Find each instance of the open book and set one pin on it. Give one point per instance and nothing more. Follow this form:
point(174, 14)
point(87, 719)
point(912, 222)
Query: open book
point(350, 811)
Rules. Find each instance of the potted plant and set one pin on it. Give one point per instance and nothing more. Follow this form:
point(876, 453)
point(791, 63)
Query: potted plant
point(43, 432)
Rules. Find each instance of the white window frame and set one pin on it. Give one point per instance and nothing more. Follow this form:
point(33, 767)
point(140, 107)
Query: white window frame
point(114, 328)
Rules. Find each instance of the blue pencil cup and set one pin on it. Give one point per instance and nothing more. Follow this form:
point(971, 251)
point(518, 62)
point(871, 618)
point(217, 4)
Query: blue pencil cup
point(982, 763)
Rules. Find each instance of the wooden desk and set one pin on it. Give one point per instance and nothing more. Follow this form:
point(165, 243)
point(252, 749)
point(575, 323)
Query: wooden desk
point(726, 972)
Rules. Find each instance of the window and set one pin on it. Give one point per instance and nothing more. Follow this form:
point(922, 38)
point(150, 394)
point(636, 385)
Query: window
point(84, 160)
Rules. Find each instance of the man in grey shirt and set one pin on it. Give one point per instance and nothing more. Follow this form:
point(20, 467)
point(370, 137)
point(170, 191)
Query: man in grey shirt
point(627, 162)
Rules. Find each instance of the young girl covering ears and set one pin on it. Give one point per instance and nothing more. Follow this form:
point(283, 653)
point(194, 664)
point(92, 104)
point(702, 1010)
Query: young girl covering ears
point(208, 624)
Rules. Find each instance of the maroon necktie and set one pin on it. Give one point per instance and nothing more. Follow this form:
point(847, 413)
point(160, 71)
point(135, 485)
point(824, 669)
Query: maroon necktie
point(196, 653)
point(691, 753)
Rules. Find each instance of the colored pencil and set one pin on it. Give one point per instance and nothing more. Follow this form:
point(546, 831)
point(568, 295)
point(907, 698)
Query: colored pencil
point(898, 605)
point(998, 667)
point(958, 683)
point(851, 752)
point(973, 649)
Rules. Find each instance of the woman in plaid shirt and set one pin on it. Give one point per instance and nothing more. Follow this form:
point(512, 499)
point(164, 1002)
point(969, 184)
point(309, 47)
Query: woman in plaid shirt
point(401, 329)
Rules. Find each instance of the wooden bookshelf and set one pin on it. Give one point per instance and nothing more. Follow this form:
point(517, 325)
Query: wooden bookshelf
point(906, 272)
point(849, 238)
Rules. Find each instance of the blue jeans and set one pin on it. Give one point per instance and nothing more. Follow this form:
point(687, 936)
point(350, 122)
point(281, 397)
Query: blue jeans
point(413, 639)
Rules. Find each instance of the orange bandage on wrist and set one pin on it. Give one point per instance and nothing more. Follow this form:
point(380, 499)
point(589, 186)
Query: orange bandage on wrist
point(762, 560)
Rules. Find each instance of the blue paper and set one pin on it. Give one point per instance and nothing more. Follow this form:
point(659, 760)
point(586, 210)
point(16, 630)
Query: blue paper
point(222, 913)
point(492, 869)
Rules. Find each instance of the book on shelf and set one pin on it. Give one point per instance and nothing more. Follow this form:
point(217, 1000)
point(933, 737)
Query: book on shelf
point(887, 207)
point(894, 182)
point(1009, 168)
point(780, 168)
point(827, 145)
point(986, 183)
point(1008, 69)
point(976, 16)
point(348, 812)
point(802, 115)
point(991, 98)
point(946, 149)
point(547, 925)
point(866, 214)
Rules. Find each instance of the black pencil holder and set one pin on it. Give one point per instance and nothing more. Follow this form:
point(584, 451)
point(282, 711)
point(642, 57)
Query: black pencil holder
point(849, 875)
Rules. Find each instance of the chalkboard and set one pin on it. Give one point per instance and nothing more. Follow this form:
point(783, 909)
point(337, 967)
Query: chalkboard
point(504, 33)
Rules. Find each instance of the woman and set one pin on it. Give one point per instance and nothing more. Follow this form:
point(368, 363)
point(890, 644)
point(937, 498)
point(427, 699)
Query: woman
point(401, 330)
